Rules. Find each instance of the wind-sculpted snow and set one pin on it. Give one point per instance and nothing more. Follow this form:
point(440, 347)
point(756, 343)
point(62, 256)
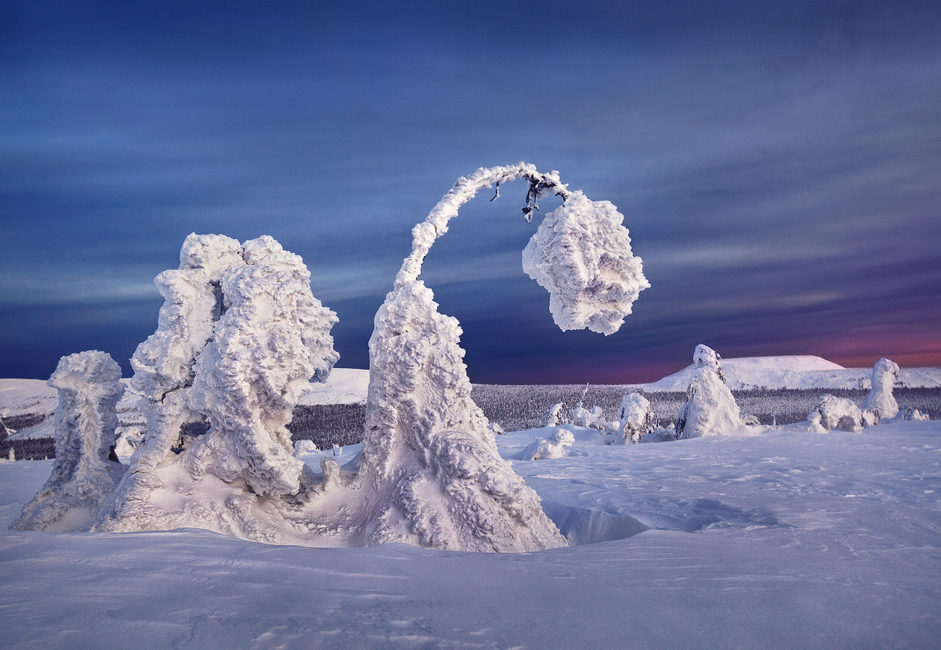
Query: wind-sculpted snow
point(880, 400)
point(710, 408)
point(836, 413)
point(635, 418)
point(239, 337)
point(581, 254)
point(238, 340)
point(83, 475)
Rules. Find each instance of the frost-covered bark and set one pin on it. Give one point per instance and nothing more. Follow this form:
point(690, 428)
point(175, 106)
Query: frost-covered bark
point(83, 476)
point(880, 399)
point(635, 417)
point(710, 408)
point(238, 339)
point(836, 413)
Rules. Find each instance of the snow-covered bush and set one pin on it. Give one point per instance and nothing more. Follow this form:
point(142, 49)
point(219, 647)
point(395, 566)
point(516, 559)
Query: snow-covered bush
point(836, 413)
point(553, 417)
point(635, 418)
point(710, 408)
point(880, 399)
point(84, 473)
point(555, 446)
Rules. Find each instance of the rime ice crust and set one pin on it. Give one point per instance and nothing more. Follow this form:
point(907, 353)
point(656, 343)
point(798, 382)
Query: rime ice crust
point(836, 413)
point(581, 254)
point(635, 418)
point(710, 408)
point(239, 336)
point(880, 399)
point(86, 416)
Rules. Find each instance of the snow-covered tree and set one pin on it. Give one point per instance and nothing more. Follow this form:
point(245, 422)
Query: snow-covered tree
point(83, 475)
point(710, 408)
point(238, 339)
point(427, 445)
point(553, 417)
point(635, 418)
point(880, 399)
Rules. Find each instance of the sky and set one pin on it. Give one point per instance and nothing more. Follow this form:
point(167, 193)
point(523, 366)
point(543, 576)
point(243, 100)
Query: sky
point(778, 166)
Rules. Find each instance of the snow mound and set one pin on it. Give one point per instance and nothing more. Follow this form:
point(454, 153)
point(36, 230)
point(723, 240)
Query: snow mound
point(555, 446)
point(836, 413)
point(82, 476)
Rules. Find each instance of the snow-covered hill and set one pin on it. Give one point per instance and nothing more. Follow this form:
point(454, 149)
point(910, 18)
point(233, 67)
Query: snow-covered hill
point(795, 372)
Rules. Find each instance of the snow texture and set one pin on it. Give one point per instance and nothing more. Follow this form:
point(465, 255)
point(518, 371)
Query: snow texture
point(710, 408)
point(83, 476)
point(880, 400)
point(553, 417)
point(635, 418)
point(837, 413)
point(238, 340)
point(581, 254)
point(706, 543)
point(555, 446)
point(428, 454)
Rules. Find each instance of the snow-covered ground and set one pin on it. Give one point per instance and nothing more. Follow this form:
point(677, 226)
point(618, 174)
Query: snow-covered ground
point(782, 539)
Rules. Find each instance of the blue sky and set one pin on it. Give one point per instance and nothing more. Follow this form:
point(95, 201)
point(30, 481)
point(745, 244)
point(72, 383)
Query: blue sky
point(778, 166)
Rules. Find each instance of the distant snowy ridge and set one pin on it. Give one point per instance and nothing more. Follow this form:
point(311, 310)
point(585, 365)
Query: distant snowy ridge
point(343, 386)
point(794, 372)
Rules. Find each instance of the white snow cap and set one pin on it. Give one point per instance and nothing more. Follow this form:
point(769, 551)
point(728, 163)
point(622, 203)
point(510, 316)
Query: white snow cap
point(880, 399)
point(581, 254)
point(82, 477)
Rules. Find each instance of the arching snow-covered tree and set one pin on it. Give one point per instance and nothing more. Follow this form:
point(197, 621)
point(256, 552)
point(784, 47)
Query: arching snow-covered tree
point(427, 443)
point(84, 473)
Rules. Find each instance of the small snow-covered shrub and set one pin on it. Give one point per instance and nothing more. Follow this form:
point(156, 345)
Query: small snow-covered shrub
point(836, 413)
point(555, 446)
point(552, 417)
point(83, 475)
